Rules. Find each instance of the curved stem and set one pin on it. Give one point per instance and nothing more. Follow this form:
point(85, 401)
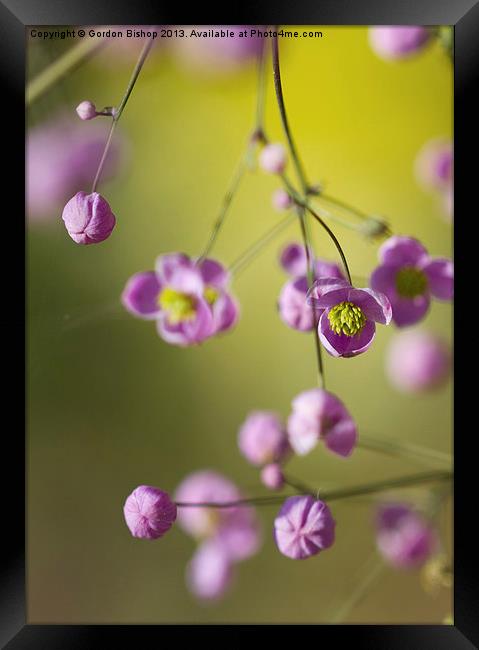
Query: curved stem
point(405, 449)
point(61, 67)
point(330, 495)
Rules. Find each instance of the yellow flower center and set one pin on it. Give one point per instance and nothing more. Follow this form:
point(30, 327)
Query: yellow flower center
point(211, 295)
point(410, 282)
point(346, 318)
point(179, 306)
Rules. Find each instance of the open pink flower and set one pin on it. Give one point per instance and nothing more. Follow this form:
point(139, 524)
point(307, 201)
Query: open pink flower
point(408, 276)
point(348, 316)
point(320, 415)
point(294, 309)
point(189, 301)
point(404, 538)
point(149, 512)
point(304, 527)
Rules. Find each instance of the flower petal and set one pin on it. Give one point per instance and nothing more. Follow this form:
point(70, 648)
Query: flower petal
point(440, 273)
point(407, 311)
point(213, 273)
point(374, 304)
point(167, 264)
point(340, 345)
point(225, 312)
point(399, 250)
point(342, 438)
point(188, 332)
point(383, 279)
point(140, 295)
point(327, 293)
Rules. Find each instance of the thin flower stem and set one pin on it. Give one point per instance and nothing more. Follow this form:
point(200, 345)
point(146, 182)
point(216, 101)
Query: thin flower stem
point(243, 260)
point(227, 200)
point(331, 495)
point(373, 570)
point(259, 129)
point(405, 449)
point(74, 57)
point(117, 112)
point(344, 206)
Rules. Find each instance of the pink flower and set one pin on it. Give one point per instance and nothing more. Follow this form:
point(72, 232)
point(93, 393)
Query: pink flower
point(189, 301)
point(434, 164)
point(210, 571)
point(281, 200)
point(320, 415)
point(262, 438)
point(149, 512)
point(304, 527)
point(408, 276)
point(347, 316)
point(417, 361)
point(88, 218)
point(395, 42)
point(404, 538)
point(86, 110)
point(272, 476)
point(272, 158)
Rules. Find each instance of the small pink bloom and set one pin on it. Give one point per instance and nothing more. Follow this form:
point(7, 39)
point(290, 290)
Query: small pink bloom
point(320, 415)
point(210, 571)
point(434, 164)
point(86, 110)
point(272, 158)
point(88, 218)
point(417, 361)
point(404, 538)
point(304, 527)
point(262, 438)
point(397, 42)
point(272, 476)
point(149, 512)
point(281, 200)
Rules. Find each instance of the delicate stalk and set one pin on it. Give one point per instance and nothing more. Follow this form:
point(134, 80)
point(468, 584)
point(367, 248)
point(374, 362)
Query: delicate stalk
point(252, 251)
point(331, 495)
point(284, 119)
point(373, 572)
point(117, 112)
point(343, 205)
point(406, 449)
point(74, 57)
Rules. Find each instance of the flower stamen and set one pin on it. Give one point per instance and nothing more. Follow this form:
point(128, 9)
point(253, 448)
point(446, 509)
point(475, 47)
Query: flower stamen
point(179, 306)
point(346, 318)
point(411, 282)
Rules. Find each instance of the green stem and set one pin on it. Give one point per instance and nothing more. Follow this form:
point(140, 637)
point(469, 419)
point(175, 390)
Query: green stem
point(330, 495)
point(117, 113)
point(405, 449)
point(252, 251)
point(61, 67)
point(373, 572)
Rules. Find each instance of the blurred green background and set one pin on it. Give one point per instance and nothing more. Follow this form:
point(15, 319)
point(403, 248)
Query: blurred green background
point(111, 406)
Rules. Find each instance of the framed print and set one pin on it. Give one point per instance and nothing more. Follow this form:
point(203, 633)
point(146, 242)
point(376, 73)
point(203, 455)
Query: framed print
point(240, 353)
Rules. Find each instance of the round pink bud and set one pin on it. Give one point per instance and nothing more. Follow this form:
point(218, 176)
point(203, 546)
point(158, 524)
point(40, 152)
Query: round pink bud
point(417, 361)
point(398, 42)
point(86, 110)
point(272, 158)
point(404, 538)
point(262, 438)
point(88, 218)
point(149, 512)
point(281, 200)
point(304, 527)
point(272, 476)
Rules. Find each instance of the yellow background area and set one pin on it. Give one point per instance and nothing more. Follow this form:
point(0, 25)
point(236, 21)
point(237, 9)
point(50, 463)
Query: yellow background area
point(111, 406)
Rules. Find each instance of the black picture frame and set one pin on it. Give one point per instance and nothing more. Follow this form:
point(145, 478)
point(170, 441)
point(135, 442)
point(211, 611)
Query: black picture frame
point(15, 15)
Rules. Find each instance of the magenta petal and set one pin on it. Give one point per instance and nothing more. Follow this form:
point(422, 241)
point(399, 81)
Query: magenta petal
point(213, 273)
point(186, 280)
point(340, 345)
point(293, 308)
point(407, 311)
point(324, 269)
point(374, 304)
point(167, 264)
point(401, 251)
point(440, 273)
point(140, 295)
point(383, 279)
point(293, 260)
point(188, 332)
point(225, 312)
point(327, 293)
point(342, 437)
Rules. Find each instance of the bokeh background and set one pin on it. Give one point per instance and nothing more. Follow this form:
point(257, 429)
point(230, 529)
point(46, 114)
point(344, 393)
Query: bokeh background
point(111, 406)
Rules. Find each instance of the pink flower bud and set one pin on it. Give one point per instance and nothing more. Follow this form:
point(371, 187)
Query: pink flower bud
point(272, 158)
point(272, 476)
point(88, 218)
point(281, 200)
point(149, 512)
point(86, 110)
